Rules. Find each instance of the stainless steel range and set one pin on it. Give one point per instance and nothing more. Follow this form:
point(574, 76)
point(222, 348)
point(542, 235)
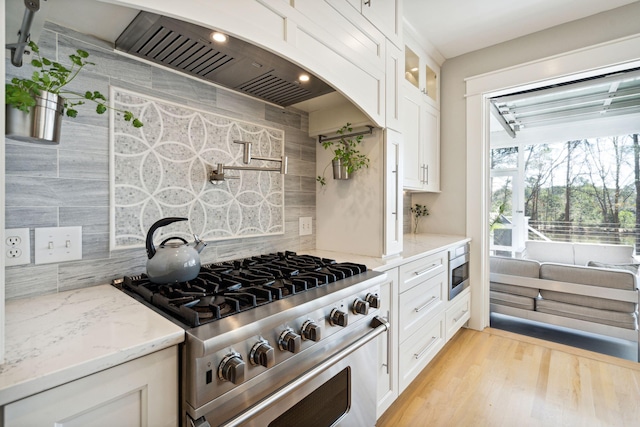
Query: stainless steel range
point(274, 340)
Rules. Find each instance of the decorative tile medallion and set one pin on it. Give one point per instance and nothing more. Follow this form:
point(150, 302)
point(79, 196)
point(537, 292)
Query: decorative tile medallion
point(162, 170)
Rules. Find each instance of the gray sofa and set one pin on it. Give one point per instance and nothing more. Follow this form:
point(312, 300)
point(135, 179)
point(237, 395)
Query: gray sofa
point(592, 299)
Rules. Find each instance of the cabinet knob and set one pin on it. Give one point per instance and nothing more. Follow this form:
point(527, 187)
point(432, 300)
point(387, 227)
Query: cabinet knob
point(232, 368)
point(262, 354)
point(338, 318)
point(289, 341)
point(311, 331)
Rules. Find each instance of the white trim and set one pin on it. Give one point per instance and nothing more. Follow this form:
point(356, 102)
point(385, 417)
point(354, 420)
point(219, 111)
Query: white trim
point(2, 203)
point(616, 55)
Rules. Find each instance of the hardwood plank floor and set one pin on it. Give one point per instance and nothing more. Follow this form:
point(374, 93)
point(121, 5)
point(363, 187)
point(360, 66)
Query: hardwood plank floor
point(497, 378)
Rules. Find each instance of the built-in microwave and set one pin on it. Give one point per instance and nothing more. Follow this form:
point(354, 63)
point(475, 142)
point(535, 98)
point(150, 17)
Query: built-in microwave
point(458, 269)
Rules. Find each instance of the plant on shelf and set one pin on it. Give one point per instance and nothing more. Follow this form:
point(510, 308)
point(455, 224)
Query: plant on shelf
point(419, 212)
point(53, 77)
point(345, 154)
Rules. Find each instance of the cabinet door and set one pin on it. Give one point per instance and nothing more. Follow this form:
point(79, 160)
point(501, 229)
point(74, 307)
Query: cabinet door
point(386, 16)
point(431, 149)
point(394, 80)
point(392, 193)
point(142, 392)
point(388, 345)
point(412, 131)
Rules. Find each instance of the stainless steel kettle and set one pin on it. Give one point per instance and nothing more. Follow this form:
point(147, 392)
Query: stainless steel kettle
point(174, 260)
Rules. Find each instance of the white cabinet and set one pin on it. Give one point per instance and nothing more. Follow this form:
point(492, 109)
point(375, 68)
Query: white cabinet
point(386, 15)
point(388, 345)
point(393, 85)
point(142, 392)
point(421, 130)
point(421, 312)
point(458, 313)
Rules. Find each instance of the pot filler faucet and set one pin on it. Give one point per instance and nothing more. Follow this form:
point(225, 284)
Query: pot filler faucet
point(218, 175)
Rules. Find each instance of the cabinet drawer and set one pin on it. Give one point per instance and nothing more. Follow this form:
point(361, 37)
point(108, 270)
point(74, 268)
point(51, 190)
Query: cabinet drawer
point(458, 314)
point(418, 350)
point(420, 303)
point(415, 272)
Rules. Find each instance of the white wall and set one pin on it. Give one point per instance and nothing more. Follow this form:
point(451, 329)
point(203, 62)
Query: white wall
point(447, 209)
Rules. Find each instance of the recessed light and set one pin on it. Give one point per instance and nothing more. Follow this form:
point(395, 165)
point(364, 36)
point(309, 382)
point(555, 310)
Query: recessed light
point(218, 37)
point(414, 69)
point(303, 78)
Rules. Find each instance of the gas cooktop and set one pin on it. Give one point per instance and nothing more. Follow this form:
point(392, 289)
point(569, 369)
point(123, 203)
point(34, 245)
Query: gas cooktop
point(226, 288)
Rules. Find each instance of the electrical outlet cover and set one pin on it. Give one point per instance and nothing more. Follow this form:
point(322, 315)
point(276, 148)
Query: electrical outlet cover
point(17, 246)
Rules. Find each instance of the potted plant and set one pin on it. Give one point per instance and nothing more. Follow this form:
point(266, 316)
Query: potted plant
point(418, 211)
point(346, 157)
point(34, 105)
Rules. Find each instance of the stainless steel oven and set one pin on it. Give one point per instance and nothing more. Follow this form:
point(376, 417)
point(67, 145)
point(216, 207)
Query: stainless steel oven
point(275, 340)
point(458, 269)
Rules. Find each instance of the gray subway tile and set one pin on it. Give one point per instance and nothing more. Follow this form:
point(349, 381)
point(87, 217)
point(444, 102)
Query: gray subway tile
point(83, 165)
point(282, 116)
point(31, 160)
point(30, 280)
point(31, 217)
point(28, 191)
point(91, 219)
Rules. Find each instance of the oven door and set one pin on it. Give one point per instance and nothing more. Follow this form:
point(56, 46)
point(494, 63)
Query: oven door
point(458, 275)
point(340, 391)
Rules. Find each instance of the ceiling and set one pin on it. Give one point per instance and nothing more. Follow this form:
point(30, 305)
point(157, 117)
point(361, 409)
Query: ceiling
point(456, 27)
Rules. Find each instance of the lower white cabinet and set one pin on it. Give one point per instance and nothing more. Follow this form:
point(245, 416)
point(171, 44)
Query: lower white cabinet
point(458, 312)
point(142, 392)
point(388, 345)
point(418, 350)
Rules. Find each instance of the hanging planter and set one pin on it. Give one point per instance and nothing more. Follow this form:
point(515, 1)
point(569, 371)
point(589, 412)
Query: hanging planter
point(34, 105)
point(346, 157)
point(41, 124)
point(340, 170)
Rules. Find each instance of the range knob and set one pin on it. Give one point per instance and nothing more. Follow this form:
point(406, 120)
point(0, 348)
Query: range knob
point(338, 318)
point(262, 354)
point(311, 331)
point(360, 307)
point(232, 368)
point(289, 341)
point(373, 300)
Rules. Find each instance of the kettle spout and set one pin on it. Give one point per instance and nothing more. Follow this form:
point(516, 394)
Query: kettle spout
point(198, 244)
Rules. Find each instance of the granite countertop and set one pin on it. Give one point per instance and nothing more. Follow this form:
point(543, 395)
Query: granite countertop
point(57, 338)
point(414, 247)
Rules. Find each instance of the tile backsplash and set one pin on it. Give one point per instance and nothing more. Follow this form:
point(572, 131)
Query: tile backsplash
point(162, 170)
point(68, 184)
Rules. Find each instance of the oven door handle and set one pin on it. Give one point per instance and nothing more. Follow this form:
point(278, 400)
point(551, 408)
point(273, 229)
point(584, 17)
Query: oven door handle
point(380, 326)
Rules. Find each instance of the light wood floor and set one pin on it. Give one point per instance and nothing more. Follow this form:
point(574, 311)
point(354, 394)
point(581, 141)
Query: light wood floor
point(497, 378)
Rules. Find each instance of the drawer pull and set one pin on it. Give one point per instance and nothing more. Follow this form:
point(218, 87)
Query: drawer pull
point(427, 347)
point(455, 319)
point(428, 269)
point(428, 303)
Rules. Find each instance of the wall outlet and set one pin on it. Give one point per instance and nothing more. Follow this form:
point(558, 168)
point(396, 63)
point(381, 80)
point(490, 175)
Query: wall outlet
point(57, 244)
point(306, 225)
point(17, 246)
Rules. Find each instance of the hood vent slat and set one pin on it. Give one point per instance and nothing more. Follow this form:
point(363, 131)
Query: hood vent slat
point(236, 65)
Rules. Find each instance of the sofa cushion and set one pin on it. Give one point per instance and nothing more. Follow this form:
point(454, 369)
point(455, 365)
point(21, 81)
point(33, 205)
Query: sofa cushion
point(544, 251)
point(606, 317)
point(611, 254)
point(616, 279)
point(514, 290)
point(517, 301)
point(632, 267)
point(514, 267)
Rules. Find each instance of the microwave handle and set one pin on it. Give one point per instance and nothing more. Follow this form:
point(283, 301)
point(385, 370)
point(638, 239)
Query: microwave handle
point(379, 326)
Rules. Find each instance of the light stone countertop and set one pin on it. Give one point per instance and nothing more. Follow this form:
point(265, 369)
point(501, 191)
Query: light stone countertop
point(414, 246)
point(57, 338)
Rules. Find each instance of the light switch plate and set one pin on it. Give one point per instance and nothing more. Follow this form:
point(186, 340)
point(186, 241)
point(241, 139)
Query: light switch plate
point(57, 244)
point(17, 246)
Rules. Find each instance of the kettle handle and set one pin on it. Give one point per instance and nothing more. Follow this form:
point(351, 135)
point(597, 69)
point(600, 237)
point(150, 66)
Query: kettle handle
point(174, 238)
point(151, 250)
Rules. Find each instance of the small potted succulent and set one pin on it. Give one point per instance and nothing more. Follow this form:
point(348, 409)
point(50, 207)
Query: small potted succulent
point(419, 212)
point(346, 157)
point(34, 105)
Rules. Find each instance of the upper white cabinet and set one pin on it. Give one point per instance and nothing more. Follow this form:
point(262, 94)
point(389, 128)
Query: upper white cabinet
point(420, 117)
point(386, 15)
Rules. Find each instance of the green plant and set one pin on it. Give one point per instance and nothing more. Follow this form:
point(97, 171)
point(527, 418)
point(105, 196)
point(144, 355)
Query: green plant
point(419, 212)
point(53, 77)
point(346, 150)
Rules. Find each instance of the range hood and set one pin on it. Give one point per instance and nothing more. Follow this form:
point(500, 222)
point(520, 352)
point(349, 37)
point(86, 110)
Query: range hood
point(234, 64)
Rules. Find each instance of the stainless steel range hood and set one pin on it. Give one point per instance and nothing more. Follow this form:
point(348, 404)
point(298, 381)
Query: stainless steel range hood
point(234, 64)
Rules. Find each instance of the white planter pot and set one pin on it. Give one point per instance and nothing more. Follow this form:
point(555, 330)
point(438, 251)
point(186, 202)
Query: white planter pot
point(41, 124)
